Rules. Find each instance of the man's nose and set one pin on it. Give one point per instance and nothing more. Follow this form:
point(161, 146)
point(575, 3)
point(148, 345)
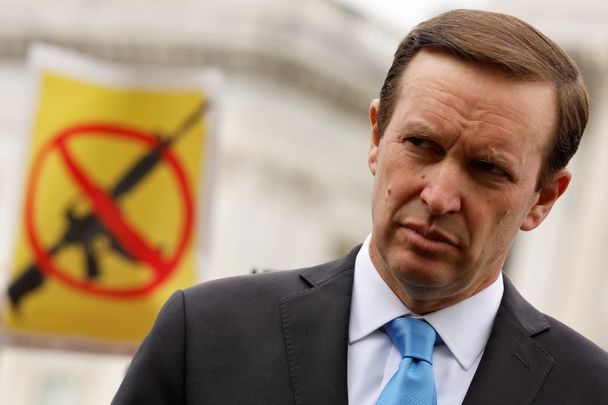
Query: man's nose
point(442, 191)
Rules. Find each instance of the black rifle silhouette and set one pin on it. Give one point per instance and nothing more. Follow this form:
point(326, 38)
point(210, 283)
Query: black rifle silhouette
point(84, 229)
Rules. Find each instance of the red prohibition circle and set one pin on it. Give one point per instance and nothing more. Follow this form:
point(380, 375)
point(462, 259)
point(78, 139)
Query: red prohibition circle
point(107, 211)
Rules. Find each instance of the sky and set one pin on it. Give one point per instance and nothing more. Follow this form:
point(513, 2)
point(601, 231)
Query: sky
point(404, 14)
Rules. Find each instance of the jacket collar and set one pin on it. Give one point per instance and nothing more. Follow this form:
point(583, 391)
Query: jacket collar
point(513, 366)
point(315, 327)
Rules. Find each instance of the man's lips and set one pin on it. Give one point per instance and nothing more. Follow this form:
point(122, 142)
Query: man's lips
point(433, 236)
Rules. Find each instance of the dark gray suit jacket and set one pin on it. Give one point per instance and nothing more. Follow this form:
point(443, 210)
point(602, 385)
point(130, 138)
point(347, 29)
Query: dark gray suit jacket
point(282, 338)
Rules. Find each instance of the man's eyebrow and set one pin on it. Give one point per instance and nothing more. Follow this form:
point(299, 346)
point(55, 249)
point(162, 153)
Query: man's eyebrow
point(419, 130)
point(502, 159)
point(497, 157)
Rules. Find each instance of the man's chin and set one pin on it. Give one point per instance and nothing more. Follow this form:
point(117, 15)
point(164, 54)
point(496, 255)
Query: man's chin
point(425, 283)
point(422, 271)
point(426, 278)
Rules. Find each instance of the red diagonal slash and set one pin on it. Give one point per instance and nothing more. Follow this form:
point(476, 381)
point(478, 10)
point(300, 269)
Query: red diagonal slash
point(108, 212)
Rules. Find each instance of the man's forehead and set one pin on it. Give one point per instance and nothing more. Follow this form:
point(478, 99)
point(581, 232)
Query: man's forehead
point(436, 63)
point(432, 72)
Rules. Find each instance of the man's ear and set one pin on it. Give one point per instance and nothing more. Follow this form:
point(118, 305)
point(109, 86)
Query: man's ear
point(372, 159)
point(545, 199)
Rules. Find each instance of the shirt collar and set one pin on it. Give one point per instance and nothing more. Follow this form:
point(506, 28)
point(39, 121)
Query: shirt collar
point(373, 302)
point(464, 327)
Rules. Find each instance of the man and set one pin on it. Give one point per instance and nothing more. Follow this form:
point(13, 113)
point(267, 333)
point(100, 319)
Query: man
point(476, 121)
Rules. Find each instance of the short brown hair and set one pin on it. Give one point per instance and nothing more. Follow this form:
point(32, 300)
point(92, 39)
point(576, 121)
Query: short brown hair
point(516, 48)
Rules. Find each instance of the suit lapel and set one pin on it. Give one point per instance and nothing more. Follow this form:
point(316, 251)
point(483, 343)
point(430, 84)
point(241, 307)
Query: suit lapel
point(513, 366)
point(315, 327)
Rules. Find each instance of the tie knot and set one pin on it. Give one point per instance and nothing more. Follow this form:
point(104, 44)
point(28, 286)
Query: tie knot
point(413, 337)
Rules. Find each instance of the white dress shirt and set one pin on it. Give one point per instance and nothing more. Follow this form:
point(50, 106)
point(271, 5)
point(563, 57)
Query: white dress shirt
point(372, 358)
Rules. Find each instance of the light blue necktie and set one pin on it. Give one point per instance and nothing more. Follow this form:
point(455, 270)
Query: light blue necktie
point(413, 383)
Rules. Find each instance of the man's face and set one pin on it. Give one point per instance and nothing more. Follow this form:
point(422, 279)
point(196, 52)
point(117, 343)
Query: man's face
point(455, 177)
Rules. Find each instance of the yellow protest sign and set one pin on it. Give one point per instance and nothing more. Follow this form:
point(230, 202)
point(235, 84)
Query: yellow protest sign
point(109, 217)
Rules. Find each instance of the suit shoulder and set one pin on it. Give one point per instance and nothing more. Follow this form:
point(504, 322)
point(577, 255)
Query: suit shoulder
point(580, 369)
point(254, 287)
point(559, 341)
point(566, 343)
point(257, 289)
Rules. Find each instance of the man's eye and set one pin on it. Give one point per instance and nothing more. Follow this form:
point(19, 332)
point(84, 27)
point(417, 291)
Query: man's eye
point(489, 167)
point(425, 145)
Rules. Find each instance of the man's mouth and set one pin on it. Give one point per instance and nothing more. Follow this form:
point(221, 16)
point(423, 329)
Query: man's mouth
point(429, 239)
